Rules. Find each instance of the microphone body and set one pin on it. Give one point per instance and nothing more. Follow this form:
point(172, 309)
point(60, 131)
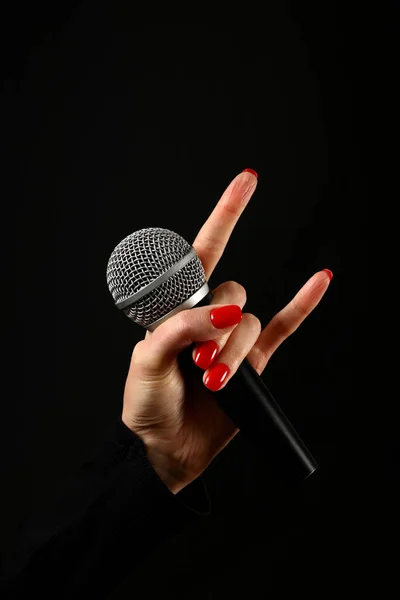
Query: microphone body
point(154, 273)
point(252, 408)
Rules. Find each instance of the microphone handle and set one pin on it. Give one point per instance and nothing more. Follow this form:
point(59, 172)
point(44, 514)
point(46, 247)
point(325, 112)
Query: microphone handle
point(251, 407)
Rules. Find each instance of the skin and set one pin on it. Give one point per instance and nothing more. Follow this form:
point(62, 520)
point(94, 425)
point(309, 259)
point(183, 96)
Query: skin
point(177, 418)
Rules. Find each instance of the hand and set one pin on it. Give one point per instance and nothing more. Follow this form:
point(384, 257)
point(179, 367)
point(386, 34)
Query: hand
point(181, 425)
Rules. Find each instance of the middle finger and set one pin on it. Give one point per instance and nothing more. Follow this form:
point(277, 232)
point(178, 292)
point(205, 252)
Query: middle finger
point(229, 292)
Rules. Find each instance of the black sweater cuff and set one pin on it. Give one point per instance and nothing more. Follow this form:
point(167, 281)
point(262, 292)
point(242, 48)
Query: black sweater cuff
point(194, 496)
point(108, 517)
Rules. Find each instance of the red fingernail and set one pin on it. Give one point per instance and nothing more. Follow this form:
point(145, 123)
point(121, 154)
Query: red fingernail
point(250, 171)
point(205, 353)
point(216, 376)
point(226, 316)
point(330, 274)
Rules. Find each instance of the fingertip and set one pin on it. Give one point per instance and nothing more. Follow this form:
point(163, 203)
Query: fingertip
point(205, 353)
point(252, 171)
point(319, 281)
point(216, 376)
point(329, 273)
point(225, 316)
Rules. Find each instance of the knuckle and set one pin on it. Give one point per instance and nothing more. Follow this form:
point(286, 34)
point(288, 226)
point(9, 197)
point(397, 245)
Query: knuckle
point(236, 290)
point(280, 326)
point(139, 353)
point(208, 242)
point(179, 326)
point(180, 322)
point(259, 358)
point(299, 309)
point(252, 322)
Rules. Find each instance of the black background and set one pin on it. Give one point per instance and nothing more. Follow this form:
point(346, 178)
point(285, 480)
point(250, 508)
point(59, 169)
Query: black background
point(124, 122)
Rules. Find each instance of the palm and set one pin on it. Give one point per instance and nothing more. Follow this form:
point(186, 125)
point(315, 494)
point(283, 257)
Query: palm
point(189, 422)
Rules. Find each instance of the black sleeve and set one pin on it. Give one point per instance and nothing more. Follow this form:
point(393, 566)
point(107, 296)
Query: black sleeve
point(110, 516)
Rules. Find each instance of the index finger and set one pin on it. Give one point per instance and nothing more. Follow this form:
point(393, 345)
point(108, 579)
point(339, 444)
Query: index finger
point(212, 238)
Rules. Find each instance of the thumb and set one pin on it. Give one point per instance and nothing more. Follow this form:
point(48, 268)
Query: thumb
point(157, 353)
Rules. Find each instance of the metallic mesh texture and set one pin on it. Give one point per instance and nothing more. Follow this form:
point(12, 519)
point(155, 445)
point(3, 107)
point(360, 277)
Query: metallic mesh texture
point(142, 257)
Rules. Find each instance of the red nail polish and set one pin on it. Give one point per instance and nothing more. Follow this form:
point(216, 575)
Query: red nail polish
point(205, 352)
point(330, 274)
point(216, 376)
point(250, 171)
point(226, 316)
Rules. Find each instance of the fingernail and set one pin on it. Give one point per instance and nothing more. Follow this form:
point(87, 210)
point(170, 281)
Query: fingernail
point(216, 376)
point(205, 352)
point(226, 316)
point(250, 171)
point(329, 272)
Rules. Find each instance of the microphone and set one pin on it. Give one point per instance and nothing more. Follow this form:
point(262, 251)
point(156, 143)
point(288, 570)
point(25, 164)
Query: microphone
point(153, 274)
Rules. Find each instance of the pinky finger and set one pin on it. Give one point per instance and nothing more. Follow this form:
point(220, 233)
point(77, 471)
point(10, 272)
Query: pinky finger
point(286, 321)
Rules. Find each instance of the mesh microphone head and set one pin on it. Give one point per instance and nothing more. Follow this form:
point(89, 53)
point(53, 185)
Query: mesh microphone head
point(151, 258)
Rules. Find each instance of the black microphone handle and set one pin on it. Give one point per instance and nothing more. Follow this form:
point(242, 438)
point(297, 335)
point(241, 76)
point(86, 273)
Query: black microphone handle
point(251, 407)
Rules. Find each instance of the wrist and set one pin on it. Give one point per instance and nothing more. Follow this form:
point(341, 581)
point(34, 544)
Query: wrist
point(169, 470)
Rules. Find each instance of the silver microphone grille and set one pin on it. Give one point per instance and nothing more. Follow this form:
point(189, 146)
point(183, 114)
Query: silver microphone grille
point(142, 258)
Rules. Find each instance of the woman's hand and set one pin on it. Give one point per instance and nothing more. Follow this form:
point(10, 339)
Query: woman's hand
point(181, 425)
